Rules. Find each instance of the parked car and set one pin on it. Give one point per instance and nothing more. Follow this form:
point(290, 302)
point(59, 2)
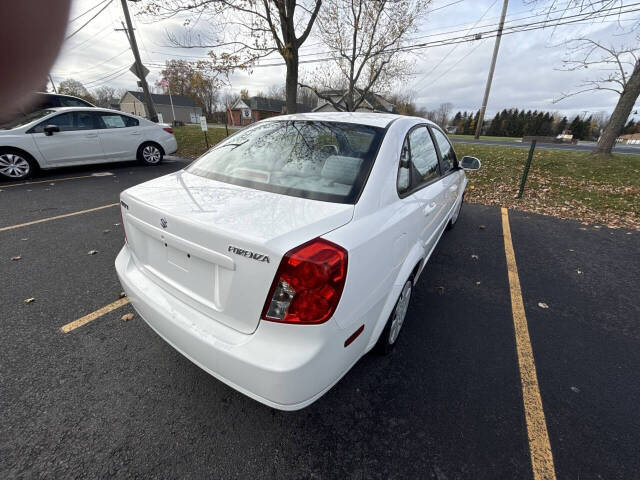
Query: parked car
point(285, 253)
point(59, 137)
point(44, 100)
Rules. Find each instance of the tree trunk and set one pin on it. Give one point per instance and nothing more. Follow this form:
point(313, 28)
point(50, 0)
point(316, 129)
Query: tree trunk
point(291, 86)
point(620, 114)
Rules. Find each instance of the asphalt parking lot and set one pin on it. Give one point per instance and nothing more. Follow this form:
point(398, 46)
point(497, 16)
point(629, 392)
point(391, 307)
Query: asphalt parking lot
point(110, 398)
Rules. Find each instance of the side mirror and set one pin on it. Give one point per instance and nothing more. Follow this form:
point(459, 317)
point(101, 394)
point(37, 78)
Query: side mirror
point(470, 163)
point(50, 129)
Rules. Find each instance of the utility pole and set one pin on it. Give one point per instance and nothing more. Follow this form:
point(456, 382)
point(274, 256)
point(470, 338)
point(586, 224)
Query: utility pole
point(487, 89)
point(151, 109)
point(55, 90)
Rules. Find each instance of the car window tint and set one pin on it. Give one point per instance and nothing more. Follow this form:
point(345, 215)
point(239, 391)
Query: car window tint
point(130, 121)
point(423, 155)
point(404, 172)
point(446, 151)
point(71, 102)
point(112, 120)
point(84, 121)
point(64, 121)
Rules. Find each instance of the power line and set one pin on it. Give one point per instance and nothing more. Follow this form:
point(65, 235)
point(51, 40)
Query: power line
point(86, 11)
point(88, 21)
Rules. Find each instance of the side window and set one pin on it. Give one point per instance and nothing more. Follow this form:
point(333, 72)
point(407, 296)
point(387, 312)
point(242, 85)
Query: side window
point(112, 120)
point(64, 121)
point(404, 171)
point(423, 155)
point(130, 121)
point(85, 121)
point(72, 102)
point(446, 151)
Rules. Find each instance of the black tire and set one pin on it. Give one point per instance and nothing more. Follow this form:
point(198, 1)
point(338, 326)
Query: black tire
point(16, 164)
point(387, 340)
point(452, 223)
point(150, 153)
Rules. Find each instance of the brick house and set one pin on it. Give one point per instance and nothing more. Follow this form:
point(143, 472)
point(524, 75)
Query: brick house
point(253, 109)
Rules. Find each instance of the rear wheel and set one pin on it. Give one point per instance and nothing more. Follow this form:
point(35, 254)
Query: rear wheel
point(391, 331)
point(150, 154)
point(16, 165)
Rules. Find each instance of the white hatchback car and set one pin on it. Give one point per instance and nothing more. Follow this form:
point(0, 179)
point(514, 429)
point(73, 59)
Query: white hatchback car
point(60, 137)
point(285, 253)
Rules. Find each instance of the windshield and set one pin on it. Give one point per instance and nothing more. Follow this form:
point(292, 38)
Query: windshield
point(24, 119)
point(327, 161)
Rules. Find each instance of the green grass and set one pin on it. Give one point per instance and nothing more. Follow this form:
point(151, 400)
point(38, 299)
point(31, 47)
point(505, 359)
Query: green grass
point(455, 137)
point(570, 184)
point(191, 142)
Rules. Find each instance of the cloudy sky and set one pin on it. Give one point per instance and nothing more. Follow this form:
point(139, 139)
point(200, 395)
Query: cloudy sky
point(528, 74)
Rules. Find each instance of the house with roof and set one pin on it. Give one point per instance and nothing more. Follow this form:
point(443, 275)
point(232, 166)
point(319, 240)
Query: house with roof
point(372, 102)
point(248, 110)
point(185, 108)
point(629, 139)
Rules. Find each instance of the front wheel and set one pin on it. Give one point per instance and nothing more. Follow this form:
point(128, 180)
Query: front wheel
point(389, 335)
point(15, 165)
point(150, 154)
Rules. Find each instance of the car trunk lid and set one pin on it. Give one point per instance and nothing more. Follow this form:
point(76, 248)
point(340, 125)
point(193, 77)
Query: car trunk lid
point(217, 246)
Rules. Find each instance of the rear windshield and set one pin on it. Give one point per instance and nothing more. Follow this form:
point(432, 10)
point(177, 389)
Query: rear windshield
point(24, 119)
point(327, 161)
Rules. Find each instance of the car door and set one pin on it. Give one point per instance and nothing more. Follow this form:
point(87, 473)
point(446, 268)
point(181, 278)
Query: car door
point(451, 176)
point(120, 135)
point(76, 143)
point(425, 188)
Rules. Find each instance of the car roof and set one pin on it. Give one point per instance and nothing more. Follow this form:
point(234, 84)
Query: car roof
point(362, 118)
point(87, 109)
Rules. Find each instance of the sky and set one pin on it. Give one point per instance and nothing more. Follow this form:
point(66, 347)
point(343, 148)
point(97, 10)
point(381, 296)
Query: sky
point(528, 73)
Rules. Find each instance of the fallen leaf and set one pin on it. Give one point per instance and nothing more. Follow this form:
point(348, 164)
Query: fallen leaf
point(482, 227)
point(575, 389)
point(106, 230)
point(116, 224)
point(52, 184)
point(122, 294)
point(17, 257)
point(441, 290)
point(477, 283)
point(24, 239)
point(474, 256)
point(92, 252)
point(543, 305)
point(571, 250)
point(29, 300)
point(579, 272)
point(126, 317)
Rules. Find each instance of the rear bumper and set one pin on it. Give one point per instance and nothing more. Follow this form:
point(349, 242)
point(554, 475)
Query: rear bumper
point(284, 366)
point(170, 145)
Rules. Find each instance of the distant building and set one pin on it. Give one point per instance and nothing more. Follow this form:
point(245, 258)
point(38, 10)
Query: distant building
point(372, 102)
point(185, 108)
point(629, 139)
point(253, 109)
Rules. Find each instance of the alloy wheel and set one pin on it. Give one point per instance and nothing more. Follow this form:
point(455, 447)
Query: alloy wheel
point(14, 166)
point(151, 154)
point(400, 312)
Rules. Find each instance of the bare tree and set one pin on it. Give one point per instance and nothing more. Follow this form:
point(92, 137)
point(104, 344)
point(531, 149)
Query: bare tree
point(442, 114)
point(253, 28)
point(364, 38)
point(620, 73)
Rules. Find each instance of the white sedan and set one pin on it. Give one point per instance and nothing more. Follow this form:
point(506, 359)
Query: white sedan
point(288, 251)
point(60, 137)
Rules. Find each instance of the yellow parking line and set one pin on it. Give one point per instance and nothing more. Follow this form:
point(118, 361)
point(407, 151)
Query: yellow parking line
point(539, 445)
point(57, 217)
point(53, 180)
point(93, 315)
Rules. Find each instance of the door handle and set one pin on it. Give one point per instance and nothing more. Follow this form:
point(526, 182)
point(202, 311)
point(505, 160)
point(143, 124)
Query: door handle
point(135, 133)
point(428, 209)
point(91, 135)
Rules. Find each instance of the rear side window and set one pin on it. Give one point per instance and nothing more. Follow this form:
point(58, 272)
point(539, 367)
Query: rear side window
point(447, 154)
point(72, 102)
point(418, 161)
point(114, 120)
point(328, 161)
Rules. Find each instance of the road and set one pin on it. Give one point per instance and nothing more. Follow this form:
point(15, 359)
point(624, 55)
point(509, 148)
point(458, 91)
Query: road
point(111, 399)
point(580, 147)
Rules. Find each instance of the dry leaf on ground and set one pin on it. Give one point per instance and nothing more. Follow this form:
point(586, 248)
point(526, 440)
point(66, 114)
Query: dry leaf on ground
point(92, 252)
point(126, 317)
point(17, 257)
point(29, 300)
point(543, 305)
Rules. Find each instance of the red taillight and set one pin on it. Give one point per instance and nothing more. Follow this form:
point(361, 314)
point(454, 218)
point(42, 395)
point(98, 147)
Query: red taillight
point(168, 130)
point(308, 284)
